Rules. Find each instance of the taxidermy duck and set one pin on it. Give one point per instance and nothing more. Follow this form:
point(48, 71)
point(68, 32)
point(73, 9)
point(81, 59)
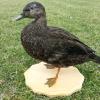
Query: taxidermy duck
point(53, 45)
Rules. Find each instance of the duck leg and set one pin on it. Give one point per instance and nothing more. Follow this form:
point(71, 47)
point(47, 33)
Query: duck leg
point(52, 81)
point(50, 66)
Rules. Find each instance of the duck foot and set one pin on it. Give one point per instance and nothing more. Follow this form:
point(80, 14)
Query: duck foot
point(51, 81)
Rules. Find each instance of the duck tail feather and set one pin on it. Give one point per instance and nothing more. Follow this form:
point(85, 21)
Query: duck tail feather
point(95, 58)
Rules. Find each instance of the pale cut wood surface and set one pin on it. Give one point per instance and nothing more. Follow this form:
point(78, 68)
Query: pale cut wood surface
point(70, 80)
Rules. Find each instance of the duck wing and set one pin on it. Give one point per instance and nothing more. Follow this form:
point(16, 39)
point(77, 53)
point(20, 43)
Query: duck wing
point(61, 48)
point(61, 33)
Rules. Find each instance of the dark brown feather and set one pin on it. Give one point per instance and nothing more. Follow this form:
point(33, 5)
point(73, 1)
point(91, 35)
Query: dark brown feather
point(54, 45)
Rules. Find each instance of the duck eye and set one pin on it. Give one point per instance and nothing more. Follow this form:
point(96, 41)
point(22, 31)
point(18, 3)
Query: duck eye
point(32, 8)
point(26, 10)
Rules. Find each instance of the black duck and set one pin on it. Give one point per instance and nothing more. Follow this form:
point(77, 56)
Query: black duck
point(51, 44)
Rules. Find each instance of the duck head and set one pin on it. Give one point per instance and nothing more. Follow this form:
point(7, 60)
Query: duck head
point(32, 10)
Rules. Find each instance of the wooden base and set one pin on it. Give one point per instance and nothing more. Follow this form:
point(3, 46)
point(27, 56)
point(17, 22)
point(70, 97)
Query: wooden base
point(69, 80)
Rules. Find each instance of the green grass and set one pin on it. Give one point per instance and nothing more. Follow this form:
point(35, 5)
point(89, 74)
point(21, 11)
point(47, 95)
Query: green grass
point(81, 17)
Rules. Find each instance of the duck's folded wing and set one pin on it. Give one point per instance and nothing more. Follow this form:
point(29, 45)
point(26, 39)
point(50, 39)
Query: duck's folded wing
point(55, 31)
point(62, 48)
point(59, 33)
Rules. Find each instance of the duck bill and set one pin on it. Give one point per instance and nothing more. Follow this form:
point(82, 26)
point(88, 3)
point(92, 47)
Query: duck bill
point(19, 17)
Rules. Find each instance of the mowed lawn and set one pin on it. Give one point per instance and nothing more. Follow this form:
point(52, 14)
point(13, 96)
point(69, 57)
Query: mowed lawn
point(81, 17)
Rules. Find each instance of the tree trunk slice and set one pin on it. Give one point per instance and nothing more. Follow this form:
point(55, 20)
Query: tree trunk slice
point(70, 80)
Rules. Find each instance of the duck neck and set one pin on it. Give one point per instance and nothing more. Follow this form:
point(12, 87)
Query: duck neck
point(41, 22)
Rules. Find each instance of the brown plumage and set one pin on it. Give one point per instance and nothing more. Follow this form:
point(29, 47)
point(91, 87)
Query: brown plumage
point(52, 44)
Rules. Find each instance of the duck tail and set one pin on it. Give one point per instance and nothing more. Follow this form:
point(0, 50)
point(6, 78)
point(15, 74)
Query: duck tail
point(95, 58)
